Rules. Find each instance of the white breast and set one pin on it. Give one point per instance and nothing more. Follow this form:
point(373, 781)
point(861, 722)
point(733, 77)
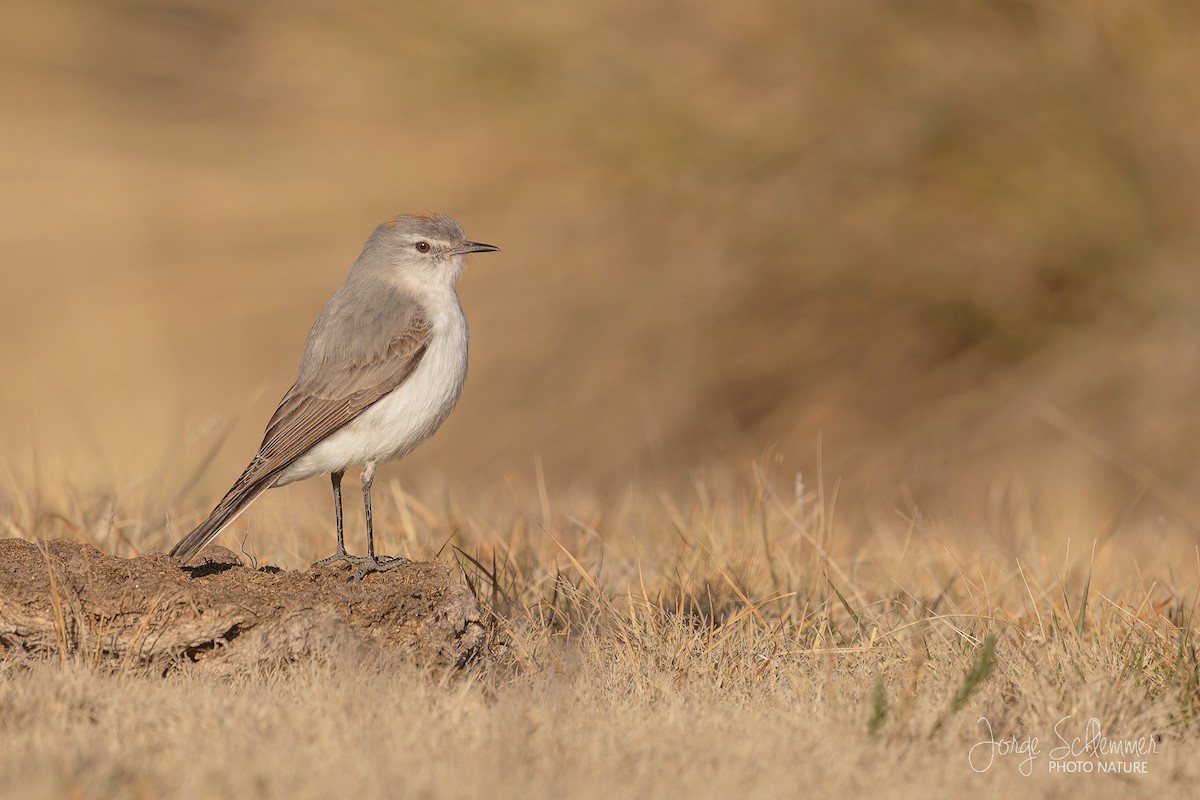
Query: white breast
point(395, 425)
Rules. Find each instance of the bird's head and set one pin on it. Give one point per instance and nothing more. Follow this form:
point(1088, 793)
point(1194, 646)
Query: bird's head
point(428, 250)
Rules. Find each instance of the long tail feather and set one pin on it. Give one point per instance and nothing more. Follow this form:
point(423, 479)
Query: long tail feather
point(234, 503)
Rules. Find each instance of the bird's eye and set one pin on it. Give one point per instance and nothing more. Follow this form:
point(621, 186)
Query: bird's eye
point(423, 247)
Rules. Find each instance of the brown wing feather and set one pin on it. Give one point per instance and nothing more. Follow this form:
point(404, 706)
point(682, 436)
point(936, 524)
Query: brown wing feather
point(308, 413)
point(312, 409)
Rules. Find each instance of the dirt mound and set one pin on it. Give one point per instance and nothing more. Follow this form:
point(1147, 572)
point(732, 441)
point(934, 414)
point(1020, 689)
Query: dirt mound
point(66, 598)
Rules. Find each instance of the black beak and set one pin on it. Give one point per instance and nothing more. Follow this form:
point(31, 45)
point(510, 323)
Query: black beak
point(476, 247)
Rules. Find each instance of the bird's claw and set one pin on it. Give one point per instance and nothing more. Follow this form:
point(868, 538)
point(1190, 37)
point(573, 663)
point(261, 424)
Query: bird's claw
point(381, 564)
point(366, 564)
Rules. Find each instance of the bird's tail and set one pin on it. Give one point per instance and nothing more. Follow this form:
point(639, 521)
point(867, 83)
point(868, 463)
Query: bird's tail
point(243, 493)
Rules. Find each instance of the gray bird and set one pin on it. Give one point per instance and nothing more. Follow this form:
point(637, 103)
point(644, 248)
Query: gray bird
point(383, 367)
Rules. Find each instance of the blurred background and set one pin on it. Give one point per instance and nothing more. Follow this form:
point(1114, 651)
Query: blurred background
point(947, 255)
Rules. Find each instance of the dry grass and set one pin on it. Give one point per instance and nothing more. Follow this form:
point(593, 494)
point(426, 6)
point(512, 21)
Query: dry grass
point(728, 641)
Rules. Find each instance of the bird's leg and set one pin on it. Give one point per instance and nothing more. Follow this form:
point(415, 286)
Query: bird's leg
point(368, 477)
point(371, 563)
point(340, 555)
point(336, 479)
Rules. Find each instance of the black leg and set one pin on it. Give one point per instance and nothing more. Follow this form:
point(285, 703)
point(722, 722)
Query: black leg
point(373, 564)
point(340, 555)
point(368, 563)
point(336, 477)
point(368, 477)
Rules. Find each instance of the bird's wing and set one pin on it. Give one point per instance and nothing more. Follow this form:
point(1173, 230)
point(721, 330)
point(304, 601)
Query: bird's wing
point(347, 383)
point(359, 350)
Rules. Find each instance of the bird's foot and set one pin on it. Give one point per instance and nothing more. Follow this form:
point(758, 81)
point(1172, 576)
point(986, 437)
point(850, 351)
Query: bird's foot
point(340, 555)
point(366, 564)
point(380, 564)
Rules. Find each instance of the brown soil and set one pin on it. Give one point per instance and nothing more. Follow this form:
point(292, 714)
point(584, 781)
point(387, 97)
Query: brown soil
point(69, 599)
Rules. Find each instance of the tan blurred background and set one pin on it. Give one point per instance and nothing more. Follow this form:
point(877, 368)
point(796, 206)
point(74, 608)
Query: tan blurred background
point(941, 252)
